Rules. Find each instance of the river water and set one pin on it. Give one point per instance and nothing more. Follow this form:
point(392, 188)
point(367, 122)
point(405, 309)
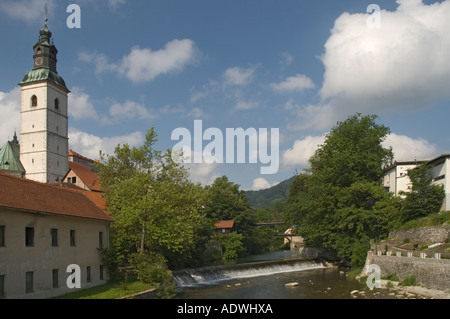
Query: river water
point(264, 277)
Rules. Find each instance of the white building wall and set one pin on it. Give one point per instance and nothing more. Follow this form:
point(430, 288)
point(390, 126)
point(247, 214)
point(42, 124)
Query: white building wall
point(17, 259)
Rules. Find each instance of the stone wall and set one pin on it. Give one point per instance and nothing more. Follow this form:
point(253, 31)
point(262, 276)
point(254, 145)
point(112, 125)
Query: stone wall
point(430, 273)
point(431, 234)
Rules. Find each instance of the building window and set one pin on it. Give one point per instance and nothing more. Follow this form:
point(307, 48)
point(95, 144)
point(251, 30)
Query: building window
point(101, 272)
point(72, 237)
point(57, 103)
point(100, 239)
point(88, 273)
point(74, 180)
point(55, 277)
point(2, 236)
point(54, 235)
point(34, 100)
point(29, 236)
point(2, 286)
point(29, 282)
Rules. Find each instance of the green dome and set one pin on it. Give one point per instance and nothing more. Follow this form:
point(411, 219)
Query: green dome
point(43, 74)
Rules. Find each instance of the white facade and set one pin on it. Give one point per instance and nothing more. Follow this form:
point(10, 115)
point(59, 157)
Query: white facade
point(439, 169)
point(44, 131)
point(38, 271)
point(396, 179)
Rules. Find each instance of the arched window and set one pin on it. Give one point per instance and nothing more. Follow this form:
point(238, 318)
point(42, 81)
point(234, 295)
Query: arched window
point(34, 100)
point(57, 103)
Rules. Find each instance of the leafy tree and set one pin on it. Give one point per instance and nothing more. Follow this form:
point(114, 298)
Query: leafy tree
point(155, 207)
point(424, 198)
point(225, 201)
point(231, 244)
point(333, 203)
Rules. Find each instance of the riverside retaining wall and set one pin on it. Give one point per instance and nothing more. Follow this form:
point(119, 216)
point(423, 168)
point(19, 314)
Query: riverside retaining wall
point(429, 272)
point(430, 234)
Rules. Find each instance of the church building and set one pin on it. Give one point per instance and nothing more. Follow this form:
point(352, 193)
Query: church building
point(46, 224)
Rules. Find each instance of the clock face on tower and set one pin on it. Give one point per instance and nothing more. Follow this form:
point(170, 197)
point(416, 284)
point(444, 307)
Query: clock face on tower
point(38, 61)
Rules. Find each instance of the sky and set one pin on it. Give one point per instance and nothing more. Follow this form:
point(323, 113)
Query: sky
point(290, 67)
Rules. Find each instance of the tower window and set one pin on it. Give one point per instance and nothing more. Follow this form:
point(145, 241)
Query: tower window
point(57, 103)
point(34, 100)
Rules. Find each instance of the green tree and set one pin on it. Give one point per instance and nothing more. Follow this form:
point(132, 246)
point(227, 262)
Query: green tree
point(424, 198)
point(332, 204)
point(225, 201)
point(154, 205)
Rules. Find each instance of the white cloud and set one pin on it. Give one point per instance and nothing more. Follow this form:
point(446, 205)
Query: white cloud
point(239, 76)
point(261, 183)
point(197, 113)
point(407, 148)
point(90, 145)
point(130, 110)
point(401, 66)
point(203, 173)
point(287, 59)
point(302, 150)
point(27, 10)
point(10, 115)
point(245, 105)
point(80, 105)
point(114, 4)
point(300, 82)
point(144, 65)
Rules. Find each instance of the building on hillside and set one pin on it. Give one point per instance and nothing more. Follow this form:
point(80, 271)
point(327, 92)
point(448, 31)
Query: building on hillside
point(44, 229)
point(395, 178)
point(10, 158)
point(224, 226)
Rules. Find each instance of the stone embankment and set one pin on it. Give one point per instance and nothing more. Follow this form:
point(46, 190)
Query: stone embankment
point(419, 253)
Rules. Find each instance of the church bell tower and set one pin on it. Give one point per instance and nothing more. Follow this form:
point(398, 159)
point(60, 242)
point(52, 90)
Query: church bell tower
point(44, 115)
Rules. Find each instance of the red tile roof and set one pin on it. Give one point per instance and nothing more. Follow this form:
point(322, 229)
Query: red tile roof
point(88, 177)
point(225, 224)
point(26, 195)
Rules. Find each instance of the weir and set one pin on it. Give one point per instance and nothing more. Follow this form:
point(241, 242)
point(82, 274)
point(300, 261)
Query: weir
point(213, 274)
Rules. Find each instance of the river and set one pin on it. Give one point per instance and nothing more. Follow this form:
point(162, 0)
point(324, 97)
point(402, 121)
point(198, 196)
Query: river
point(264, 277)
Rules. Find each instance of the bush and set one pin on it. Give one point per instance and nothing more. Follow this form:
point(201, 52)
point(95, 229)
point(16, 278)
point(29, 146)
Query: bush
point(409, 281)
point(150, 267)
point(232, 245)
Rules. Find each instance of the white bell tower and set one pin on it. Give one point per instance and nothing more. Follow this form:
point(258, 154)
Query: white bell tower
point(44, 115)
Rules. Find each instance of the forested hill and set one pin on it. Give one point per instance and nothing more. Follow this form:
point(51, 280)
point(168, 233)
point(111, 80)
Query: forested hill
point(263, 198)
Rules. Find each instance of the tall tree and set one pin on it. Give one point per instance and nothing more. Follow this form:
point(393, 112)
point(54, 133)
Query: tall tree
point(225, 201)
point(332, 203)
point(154, 205)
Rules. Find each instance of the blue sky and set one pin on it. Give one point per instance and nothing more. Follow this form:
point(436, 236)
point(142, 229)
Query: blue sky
point(299, 66)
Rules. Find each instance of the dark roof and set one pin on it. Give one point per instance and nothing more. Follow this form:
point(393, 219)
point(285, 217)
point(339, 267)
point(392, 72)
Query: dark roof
point(30, 196)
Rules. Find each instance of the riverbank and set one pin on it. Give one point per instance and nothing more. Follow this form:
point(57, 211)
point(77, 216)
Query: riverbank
point(413, 292)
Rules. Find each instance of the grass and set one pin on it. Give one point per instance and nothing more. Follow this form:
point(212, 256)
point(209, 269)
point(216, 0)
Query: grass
point(110, 290)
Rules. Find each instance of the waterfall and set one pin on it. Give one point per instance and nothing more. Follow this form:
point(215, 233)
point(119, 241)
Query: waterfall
point(213, 274)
